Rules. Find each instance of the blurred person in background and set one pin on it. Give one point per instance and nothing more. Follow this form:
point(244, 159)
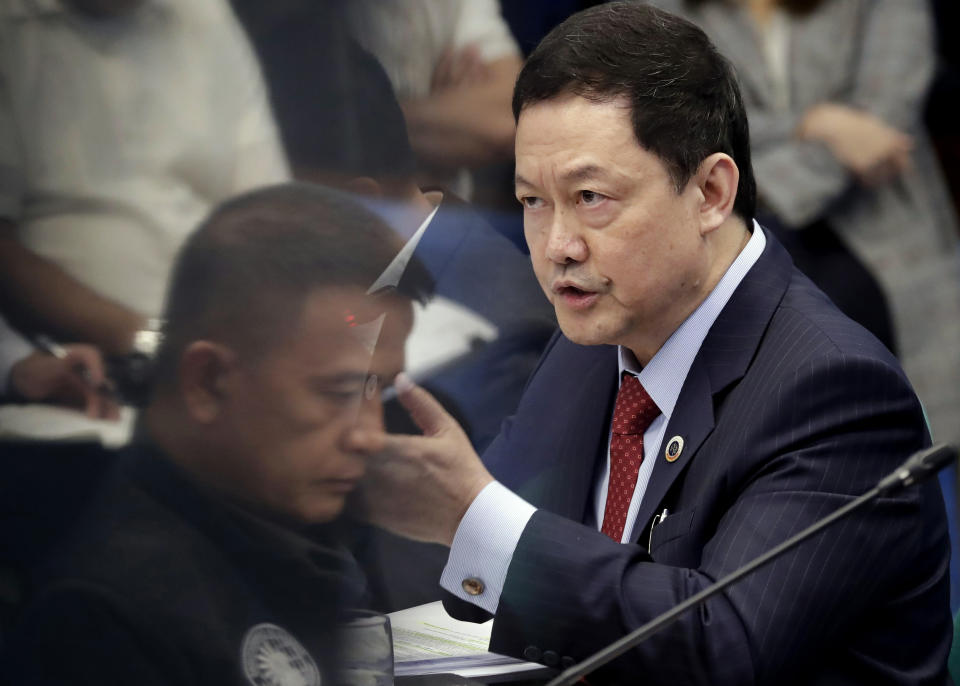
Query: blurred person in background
point(478, 338)
point(207, 555)
point(122, 123)
point(452, 64)
point(342, 126)
point(835, 93)
point(71, 380)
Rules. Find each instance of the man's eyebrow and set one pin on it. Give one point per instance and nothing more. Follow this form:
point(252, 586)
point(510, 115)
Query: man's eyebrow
point(520, 181)
point(580, 173)
point(583, 173)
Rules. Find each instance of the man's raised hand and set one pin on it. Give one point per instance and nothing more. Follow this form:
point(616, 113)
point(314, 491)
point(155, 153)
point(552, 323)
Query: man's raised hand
point(419, 486)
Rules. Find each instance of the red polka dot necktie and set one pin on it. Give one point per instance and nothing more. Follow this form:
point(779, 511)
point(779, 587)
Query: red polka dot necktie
point(633, 413)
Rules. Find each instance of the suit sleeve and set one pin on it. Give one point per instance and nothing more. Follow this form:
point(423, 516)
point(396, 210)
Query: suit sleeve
point(827, 432)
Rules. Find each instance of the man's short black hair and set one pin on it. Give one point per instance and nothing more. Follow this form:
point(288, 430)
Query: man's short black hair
point(685, 103)
point(244, 275)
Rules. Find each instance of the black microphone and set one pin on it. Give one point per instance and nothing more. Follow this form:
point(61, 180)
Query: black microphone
point(918, 467)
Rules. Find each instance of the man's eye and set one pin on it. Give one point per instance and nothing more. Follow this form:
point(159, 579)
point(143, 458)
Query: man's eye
point(341, 396)
point(344, 394)
point(531, 202)
point(591, 197)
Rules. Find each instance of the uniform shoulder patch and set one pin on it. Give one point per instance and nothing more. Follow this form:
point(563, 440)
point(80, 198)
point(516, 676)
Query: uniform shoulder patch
point(271, 656)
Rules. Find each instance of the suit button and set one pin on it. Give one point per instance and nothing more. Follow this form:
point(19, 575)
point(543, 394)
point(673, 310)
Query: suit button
point(550, 658)
point(473, 586)
point(532, 653)
point(567, 662)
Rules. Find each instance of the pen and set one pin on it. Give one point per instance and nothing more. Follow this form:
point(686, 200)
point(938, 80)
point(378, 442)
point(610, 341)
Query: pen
point(656, 520)
point(51, 347)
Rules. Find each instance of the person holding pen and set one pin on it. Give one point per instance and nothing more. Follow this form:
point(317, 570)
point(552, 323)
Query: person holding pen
point(68, 375)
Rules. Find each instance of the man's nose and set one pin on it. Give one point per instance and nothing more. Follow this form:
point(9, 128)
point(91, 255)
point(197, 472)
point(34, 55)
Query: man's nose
point(565, 243)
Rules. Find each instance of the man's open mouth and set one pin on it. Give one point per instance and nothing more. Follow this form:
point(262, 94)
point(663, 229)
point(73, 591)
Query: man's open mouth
point(574, 296)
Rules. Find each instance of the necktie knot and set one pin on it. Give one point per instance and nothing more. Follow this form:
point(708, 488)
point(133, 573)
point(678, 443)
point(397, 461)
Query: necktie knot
point(634, 410)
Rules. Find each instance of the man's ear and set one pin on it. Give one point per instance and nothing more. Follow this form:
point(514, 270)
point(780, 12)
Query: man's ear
point(718, 178)
point(204, 373)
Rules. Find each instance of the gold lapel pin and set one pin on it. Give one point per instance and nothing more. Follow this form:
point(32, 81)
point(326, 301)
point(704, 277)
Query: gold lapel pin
point(674, 448)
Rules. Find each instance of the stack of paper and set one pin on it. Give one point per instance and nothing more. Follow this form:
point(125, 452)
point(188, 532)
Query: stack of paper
point(443, 331)
point(426, 640)
point(49, 423)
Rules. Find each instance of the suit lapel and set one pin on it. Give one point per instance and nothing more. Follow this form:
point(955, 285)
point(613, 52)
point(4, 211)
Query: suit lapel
point(563, 485)
point(723, 359)
point(692, 420)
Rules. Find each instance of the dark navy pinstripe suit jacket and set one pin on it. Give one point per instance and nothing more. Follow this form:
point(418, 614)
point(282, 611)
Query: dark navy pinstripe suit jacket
point(789, 411)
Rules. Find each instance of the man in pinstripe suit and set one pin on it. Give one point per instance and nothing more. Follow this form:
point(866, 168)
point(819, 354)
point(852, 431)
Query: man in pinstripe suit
point(773, 409)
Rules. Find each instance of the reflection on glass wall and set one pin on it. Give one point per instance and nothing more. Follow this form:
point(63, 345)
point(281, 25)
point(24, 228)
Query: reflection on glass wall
point(227, 226)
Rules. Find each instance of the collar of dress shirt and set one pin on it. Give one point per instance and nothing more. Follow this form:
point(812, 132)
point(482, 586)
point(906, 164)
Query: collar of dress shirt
point(664, 375)
point(391, 275)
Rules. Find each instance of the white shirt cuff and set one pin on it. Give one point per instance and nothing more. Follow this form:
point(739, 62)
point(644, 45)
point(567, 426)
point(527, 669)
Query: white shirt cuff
point(484, 544)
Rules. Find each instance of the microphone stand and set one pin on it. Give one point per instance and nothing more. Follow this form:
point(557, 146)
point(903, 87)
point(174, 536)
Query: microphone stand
point(917, 468)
